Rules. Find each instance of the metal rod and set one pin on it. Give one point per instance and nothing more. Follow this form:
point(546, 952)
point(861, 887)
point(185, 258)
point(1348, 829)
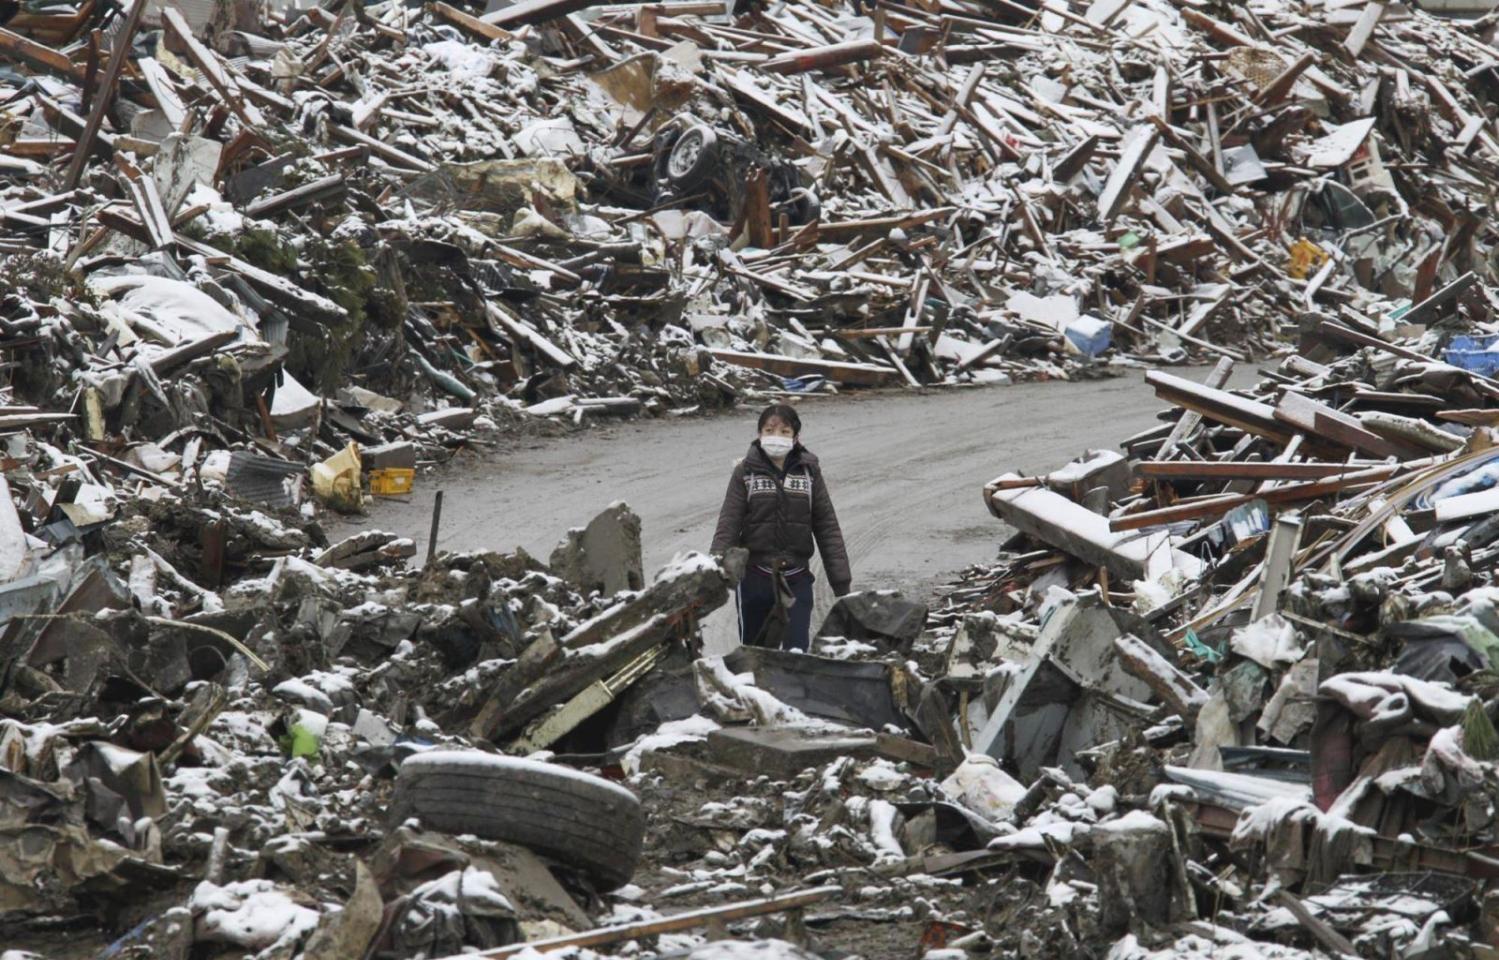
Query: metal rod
point(682, 921)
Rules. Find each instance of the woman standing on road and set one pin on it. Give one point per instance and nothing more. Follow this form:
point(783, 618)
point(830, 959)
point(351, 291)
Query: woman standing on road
point(776, 506)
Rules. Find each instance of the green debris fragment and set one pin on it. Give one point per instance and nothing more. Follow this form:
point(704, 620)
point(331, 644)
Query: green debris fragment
point(1201, 649)
point(300, 742)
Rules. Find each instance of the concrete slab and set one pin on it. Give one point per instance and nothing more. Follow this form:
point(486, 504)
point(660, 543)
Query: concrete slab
point(783, 752)
point(603, 556)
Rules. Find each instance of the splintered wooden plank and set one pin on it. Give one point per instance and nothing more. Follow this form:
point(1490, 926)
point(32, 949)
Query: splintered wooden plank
point(1368, 20)
point(162, 89)
point(1220, 405)
point(1191, 418)
point(1202, 164)
point(858, 374)
point(471, 23)
point(1138, 144)
point(104, 94)
point(1318, 419)
point(535, 11)
point(39, 55)
point(148, 205)
point(212, 69)
point(743, 87)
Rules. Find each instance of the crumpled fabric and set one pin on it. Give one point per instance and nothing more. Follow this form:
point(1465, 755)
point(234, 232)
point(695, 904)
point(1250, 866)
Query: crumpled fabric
point(1448, 774)
point(1299, 841)
point(460, 909)
point(1389, 704)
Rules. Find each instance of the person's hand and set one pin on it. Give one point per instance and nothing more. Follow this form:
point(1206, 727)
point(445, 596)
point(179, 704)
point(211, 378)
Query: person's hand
point(841, 589)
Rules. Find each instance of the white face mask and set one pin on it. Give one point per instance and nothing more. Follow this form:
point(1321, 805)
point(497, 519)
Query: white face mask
point(776, 447)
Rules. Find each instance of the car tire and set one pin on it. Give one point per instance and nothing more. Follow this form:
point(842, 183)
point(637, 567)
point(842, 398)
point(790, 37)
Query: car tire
point(692, 157)
point(807, 209)
point(576, 819)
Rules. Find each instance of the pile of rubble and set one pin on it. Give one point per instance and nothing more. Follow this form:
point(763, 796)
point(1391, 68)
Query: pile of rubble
point(582, 209)
point(1291, 639)
point(1227, 693)
point(201, 733)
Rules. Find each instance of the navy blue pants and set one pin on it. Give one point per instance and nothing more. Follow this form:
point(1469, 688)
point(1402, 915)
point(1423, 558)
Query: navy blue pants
point(757, 598)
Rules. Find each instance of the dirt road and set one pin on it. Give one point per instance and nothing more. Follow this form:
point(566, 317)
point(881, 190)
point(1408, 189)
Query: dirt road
point(905, 474)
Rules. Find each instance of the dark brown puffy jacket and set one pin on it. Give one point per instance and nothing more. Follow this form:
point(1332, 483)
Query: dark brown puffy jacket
point(777, 515)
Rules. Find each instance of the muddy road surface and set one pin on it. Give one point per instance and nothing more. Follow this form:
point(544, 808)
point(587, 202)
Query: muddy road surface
point(905, 472)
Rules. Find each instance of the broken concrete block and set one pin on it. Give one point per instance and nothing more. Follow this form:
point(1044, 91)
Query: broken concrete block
point(603, 556)
point(1073, 528)
point(371, 548)
point(784, 752)
point(400, 454)
point(1096, 468)
point(1133, 866)
point(1071, 694)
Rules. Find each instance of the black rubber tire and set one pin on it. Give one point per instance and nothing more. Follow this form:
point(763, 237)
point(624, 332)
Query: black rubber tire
point(693, 157)
point(574, 818)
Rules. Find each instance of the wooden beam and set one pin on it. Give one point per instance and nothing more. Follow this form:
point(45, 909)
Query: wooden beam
point(744, 88)
point(1164, 678)
point(148, 205)
point(1363, 29)
point(1279, 88)
point(379, 148)
point(1069, 526)
point(824, 58)
point(535, 11)
point(1191, 418)
point(212, 69)
point(1220, 405)
point(840, 231)
point(1316, 419)
point(1241, 470)
point(39, 55)
point(518, 332)
point(1216, 507)
point(323, 189)
point(471, 23)
point(1138, 144)
point(682, 921)
point(1203, 164)
point(1434, 306)
point(105, 94)
point(856, 374)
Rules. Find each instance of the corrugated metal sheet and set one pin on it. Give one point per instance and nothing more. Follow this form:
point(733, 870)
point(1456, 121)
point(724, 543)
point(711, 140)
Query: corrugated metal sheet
point(276, 483)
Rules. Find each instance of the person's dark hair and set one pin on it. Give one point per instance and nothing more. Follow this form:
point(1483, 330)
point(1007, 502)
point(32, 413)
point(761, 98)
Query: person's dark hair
point(783, 413)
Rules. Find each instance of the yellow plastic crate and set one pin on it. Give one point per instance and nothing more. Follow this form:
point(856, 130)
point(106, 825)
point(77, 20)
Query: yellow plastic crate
point(1305, 257)
point(392, 481)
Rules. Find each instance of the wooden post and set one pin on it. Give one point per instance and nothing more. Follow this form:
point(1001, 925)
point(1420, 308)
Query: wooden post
point(757, 211)
point(105, 96)
point(436, 520)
